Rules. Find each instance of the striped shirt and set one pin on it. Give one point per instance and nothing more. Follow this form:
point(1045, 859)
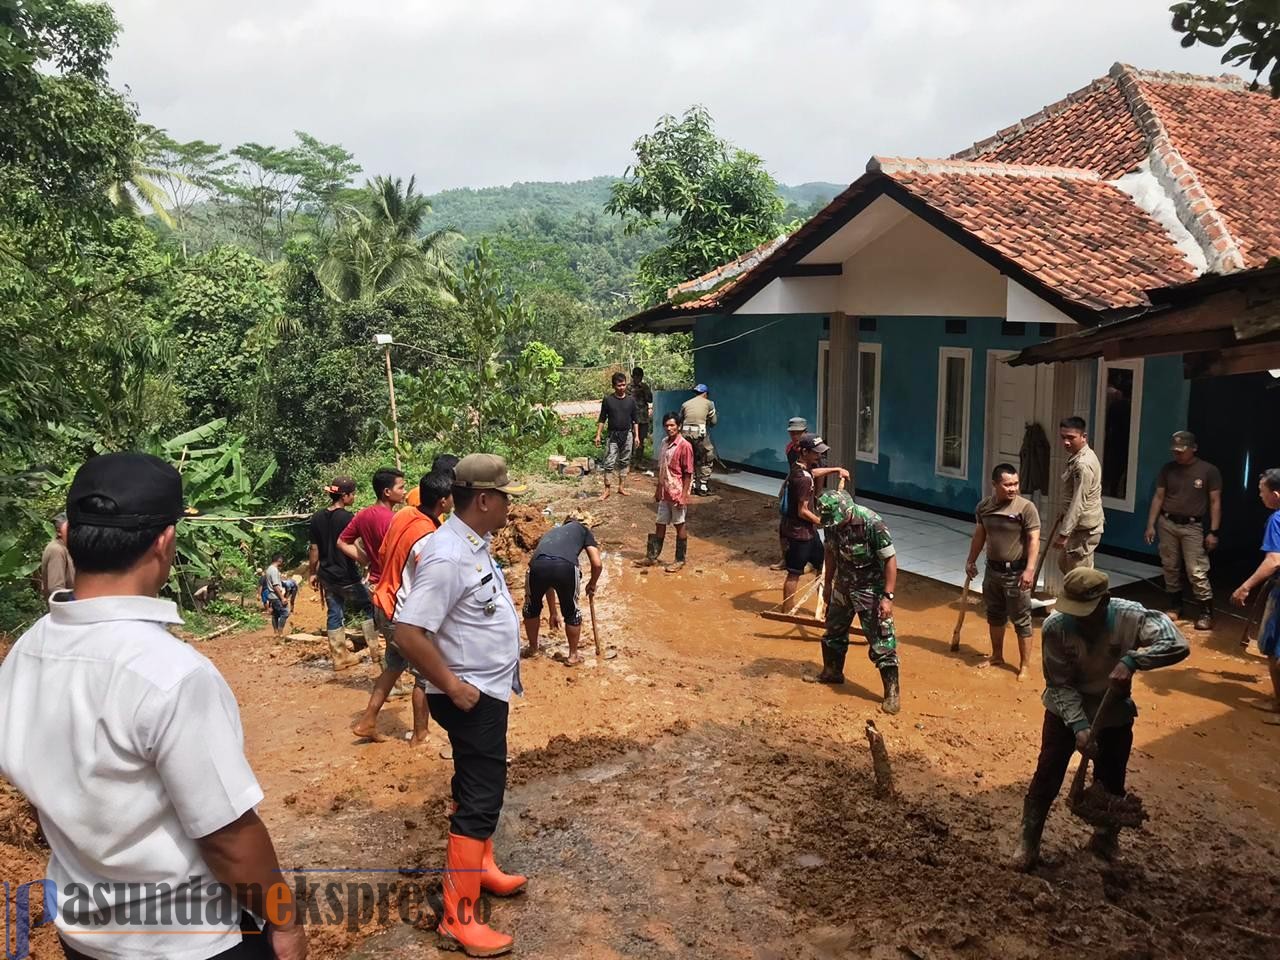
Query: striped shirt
point(1077, 672)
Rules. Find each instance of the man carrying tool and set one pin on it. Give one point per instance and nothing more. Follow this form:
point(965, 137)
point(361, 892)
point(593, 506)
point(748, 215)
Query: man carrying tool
point(554, 572)
point(861, 573)
point(459, 628)
point(401, 549)
point(618, 411)
point(798, 529)
point(1009, 527)
point(1093, 641)
point(336, 572)
point(1188, 490)
point(1264, 576)
point(697, 416)
point(675, 480)
point(1081, 521)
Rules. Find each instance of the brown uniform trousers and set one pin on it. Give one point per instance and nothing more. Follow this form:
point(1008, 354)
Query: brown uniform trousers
point(1182, 546)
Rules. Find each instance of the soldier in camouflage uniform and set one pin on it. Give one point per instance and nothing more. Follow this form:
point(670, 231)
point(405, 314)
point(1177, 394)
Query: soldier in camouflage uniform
point(861, 571)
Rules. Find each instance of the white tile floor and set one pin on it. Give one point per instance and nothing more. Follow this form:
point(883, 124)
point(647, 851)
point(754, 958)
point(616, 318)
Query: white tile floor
point(931, 545)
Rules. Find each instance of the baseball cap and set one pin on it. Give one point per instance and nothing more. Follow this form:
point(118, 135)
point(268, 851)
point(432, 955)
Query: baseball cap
point(1183, 440)
point(146, 491)
point(341, 485)
point(485, 471)
point(835, 507)
point(700, 388)
point(1082, 588)
point(797, 423)
point(812, 442)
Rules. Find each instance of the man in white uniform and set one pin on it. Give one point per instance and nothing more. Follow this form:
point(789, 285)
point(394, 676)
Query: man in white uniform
point(459, 627)
point(128, 743)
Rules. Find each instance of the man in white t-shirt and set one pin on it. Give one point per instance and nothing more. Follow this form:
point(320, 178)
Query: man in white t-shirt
point(128, 743)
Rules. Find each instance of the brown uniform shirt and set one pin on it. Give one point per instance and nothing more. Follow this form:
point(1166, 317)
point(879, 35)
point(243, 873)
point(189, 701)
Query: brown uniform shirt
point(57, 572)
point(1008, 526)
point(1187, 489)
point(1082, 493)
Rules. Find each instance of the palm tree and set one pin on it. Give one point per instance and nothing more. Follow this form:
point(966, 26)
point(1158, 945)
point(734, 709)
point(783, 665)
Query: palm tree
point(376, 245)
point(137, 186)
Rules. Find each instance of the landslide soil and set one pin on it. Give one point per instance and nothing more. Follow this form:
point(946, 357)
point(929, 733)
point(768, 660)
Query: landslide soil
point(693, 798)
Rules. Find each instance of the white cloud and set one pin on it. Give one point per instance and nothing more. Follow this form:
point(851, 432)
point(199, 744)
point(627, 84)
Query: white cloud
point(479, 92)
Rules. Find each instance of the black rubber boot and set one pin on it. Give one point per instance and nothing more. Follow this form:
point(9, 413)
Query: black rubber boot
point(1032, 830)
point(1173, 604)
point(1205, 620)
point(891, 694)
point(832, 667)
point(653, 549)
point(682, 548)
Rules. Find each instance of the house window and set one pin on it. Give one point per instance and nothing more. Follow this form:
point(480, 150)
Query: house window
point(954, 370)
point(1118, 415)
point(1012, 328)
point(867, 324)
point(869, 402)
point(824, 379)
point(956, 325)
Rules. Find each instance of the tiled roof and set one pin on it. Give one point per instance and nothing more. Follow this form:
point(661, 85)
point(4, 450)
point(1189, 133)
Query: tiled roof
point(1080, 236)
point(1091, 128)
point(1202, 154)
point(1230, 137)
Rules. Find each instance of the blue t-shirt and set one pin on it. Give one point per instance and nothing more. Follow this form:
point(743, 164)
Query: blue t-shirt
point(1271, 539)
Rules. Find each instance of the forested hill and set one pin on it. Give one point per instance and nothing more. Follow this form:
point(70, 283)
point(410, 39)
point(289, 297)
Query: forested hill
point(477, 212)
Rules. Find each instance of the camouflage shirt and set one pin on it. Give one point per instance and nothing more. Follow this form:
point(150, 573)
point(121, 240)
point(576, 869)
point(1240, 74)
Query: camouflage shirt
point(861, 546)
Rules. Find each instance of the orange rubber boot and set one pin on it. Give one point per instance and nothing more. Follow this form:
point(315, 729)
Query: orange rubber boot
point(495, 881)
point(460, 928)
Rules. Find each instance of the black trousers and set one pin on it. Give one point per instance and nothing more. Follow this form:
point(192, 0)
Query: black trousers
point(479, 741)
point(1057, 743)
point(254, 946)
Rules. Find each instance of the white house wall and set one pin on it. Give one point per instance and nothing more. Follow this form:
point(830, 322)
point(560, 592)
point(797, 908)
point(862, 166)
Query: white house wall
point(1023, 306)
point(911, 269)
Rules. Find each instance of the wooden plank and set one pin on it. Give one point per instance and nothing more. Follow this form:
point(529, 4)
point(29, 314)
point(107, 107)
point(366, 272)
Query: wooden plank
point(802, 620)
point(1251, 358)
point(1167, 345)
point(842, 393)
point(812, 270)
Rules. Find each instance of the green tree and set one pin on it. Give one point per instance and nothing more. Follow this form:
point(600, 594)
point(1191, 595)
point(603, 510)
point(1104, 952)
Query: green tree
point(187, 173)
point(1253, 24)
point(376, 247)
point(716, 200)
point(485, 399)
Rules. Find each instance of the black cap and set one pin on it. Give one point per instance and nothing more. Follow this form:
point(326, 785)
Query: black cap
point(146, 490)
point(811, 442)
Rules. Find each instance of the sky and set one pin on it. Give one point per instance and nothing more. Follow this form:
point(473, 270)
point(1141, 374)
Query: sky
point(487, 92)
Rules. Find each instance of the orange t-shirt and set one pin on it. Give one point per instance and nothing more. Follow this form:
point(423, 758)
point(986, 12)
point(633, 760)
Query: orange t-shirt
point(408, 526)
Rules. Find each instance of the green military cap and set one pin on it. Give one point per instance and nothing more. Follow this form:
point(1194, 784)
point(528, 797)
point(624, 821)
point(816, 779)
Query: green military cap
point(835, 507)
point(485, 471)
point(1082, 588)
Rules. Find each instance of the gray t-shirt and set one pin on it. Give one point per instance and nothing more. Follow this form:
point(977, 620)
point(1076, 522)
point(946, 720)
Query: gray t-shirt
point(274, 581)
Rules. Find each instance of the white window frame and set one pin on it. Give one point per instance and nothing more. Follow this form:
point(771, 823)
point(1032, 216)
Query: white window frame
point(945, 354)
point(820, 425)
point(1135, 423)
point(873, 455)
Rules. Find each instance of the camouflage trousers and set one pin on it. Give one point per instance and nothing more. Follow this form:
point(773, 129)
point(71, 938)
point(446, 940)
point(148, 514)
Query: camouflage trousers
point(882, 641)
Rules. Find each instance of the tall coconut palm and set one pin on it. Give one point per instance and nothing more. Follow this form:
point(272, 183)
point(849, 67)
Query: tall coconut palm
point(376, 245)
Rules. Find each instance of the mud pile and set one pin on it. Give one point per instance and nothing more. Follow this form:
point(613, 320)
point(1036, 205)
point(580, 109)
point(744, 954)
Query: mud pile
point(514, 543)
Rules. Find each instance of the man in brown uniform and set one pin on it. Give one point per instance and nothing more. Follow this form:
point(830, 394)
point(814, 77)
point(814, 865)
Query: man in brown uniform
point(1080, 529)
point(1188, 491)
point(1009, 526)
point(697, 415)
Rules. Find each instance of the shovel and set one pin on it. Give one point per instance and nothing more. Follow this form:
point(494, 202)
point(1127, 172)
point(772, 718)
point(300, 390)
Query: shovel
point(1097, 806)
point(601, 653)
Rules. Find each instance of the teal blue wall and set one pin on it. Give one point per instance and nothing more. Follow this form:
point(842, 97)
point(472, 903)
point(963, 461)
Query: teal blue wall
point(1166, 397)
point(759, 382)
point(909, 408)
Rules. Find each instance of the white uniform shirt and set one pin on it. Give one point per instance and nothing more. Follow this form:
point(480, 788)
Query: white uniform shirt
point(128, 743)
point(460, 597)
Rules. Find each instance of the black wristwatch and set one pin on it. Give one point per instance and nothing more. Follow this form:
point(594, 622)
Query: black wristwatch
point(887, 595)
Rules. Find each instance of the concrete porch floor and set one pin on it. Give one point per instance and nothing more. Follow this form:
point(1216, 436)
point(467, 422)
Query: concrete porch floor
point(931, 545)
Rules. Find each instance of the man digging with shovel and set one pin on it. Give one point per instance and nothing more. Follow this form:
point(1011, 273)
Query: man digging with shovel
point(1093, 642)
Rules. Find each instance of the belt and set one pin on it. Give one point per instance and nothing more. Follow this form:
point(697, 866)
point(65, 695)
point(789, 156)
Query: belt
point(1179, 518)
point(1006, 566)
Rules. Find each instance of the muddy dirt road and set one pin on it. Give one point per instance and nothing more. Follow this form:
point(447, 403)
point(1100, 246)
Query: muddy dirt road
point(692, 798)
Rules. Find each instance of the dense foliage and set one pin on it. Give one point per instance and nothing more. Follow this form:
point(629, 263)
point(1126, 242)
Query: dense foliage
point(1252, 27)
point(218, 305)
